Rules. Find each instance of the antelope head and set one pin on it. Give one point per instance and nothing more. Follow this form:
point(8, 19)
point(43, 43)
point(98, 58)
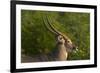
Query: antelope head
point(61, 38)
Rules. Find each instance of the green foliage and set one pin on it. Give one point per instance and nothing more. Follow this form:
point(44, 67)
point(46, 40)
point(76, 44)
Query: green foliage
point(35, 38)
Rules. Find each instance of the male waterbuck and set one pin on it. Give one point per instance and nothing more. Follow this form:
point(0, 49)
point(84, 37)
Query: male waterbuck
point(63, 45)
point(62, 48)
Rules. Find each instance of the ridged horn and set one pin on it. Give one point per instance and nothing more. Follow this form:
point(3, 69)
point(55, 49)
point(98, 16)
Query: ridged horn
point(46, 23)
point(55, 30)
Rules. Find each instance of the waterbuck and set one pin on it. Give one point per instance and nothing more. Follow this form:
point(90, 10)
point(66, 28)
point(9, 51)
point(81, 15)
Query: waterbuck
point(63, 46)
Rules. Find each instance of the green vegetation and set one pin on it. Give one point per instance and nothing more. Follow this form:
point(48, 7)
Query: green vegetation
point(35, 38)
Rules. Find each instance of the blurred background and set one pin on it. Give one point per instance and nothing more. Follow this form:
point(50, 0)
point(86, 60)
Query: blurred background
point(36, 39)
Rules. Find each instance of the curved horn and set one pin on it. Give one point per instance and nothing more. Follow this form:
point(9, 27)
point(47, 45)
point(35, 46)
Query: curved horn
point(55, 30)
point(46, 22)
